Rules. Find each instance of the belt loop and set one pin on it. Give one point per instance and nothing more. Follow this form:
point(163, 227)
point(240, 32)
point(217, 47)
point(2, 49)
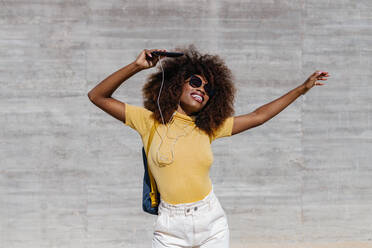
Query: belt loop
point(170, 212)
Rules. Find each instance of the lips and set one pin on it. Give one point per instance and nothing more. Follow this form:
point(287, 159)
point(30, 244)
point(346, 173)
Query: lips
point(197, 97)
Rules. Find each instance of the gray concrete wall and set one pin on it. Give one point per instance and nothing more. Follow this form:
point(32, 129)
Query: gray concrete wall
point(71, 175)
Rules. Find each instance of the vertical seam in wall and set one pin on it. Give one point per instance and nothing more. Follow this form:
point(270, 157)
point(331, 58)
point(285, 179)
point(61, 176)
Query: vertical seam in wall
point(302, 28)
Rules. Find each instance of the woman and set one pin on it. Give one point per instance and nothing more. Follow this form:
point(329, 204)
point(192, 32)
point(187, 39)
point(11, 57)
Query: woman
point(191, 99)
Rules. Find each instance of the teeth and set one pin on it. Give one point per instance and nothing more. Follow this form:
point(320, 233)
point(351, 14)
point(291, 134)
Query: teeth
point(197, 97)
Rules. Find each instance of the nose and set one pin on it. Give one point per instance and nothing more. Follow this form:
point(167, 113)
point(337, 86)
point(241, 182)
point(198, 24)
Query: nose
point(201, 88)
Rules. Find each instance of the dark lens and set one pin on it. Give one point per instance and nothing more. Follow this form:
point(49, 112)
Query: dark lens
point(195, 82)
point(209, 90)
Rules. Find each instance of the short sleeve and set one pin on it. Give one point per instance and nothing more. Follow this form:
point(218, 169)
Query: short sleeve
point(138, 118)
point(225, 129)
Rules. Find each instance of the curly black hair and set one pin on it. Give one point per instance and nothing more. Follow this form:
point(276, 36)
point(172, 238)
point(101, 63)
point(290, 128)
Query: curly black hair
point(176, 71)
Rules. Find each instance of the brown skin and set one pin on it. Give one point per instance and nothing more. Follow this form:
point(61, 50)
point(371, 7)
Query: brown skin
point(145, 60)
point(101, 94)
point(188, 105)
point(271, 109)
point(176, 95)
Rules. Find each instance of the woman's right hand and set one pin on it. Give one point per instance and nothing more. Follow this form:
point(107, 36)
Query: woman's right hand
point(145, 60)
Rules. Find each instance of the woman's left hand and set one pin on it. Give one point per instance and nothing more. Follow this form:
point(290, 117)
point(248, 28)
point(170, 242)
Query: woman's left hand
point(312, 80)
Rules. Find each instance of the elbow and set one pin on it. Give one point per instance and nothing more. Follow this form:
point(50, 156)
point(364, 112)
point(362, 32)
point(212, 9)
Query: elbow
point(90, 95)
point(91, 98)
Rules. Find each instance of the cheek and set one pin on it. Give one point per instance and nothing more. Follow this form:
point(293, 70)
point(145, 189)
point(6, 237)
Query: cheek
point(185, 92)
point(184, 96)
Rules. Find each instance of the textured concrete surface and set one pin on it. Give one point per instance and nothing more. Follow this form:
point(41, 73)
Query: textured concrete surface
point(71, 175)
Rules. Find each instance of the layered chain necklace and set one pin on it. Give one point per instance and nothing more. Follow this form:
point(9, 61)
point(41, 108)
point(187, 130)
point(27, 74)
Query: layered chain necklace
point(165, 156)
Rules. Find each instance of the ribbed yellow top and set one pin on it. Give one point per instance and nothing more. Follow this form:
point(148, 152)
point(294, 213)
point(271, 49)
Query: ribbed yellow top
point(179, 159)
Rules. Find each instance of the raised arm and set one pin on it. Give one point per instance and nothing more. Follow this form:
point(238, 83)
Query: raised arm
point(269, 110)
point(100, 95)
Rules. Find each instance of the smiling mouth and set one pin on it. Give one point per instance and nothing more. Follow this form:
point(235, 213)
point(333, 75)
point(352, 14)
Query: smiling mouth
point(199, 100)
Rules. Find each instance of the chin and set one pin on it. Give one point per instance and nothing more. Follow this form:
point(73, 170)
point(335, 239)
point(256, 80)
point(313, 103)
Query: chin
point(193, 107)
point(197, 111)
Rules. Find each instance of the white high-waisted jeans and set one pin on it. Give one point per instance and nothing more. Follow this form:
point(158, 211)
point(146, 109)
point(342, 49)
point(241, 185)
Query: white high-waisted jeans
point(198, 224)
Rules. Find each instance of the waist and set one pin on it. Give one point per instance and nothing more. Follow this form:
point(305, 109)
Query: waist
point(183, 189)
point(202, 205)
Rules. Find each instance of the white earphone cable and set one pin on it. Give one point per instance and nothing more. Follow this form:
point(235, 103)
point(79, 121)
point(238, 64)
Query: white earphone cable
point(163, 160)
point(161, 86)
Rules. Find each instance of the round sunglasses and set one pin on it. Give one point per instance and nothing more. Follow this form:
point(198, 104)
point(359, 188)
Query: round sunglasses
point(196, 82)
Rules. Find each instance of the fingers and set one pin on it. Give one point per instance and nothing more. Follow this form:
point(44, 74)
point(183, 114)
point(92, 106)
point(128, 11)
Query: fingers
point(321, 74)
point(317, 75)
point(149, 59)
point(149, 51)
point(160, 50)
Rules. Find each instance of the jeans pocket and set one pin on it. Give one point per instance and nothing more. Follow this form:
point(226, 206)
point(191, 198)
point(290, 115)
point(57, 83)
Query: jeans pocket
point(161, 223)
point(221, 211)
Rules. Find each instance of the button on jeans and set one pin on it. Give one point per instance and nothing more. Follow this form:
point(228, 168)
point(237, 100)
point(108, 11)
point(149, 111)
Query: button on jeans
point(198, 224)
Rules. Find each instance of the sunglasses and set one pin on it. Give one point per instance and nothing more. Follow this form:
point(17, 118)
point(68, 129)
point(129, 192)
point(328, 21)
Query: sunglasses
point(196, 82)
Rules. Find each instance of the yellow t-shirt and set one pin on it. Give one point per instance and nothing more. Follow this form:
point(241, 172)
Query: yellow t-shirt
point(179, 159)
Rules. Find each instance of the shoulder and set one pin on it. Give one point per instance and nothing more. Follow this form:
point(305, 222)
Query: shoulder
point(138, 118)
point(225, 129)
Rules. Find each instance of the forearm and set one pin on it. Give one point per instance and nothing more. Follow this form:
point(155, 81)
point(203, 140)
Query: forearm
point(269, 110)
point(107, 87)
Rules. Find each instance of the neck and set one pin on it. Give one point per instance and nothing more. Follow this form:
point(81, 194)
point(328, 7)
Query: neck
point(182, 111)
